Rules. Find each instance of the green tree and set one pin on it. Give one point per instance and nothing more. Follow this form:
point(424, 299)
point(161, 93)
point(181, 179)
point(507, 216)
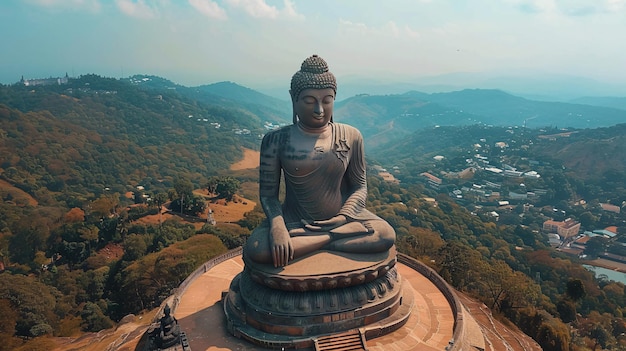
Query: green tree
point(600, 335)
point(567, 310)
point(105, 205)
point(457, 262)
point(196, 205)
point(33, 301)
point(135, 247)
point(89, 234)
point(227, 187)
point(252, 219)
point(212, 183)
point(575, 289)
point(159, 199)
point(596, 246)
point(93, 318)
point(184, 192)
point(588, 220)
point(29, 237)
point(7, 328)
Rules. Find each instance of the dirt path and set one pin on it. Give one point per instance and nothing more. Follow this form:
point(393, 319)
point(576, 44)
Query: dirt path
point(250, 160)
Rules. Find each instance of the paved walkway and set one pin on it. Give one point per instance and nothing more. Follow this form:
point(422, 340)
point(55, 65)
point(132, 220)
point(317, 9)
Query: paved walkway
point(201, 315)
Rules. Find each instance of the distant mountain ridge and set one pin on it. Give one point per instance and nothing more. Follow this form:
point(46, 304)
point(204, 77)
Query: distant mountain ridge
point(389, 117)
point(227, 94)
point(613, 102)
point(386, 117)
point(541, 86)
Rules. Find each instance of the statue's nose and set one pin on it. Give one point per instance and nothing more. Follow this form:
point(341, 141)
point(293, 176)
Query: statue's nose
point(318, 110)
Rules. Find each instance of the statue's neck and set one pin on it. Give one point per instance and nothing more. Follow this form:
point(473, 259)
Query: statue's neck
point(309, 130)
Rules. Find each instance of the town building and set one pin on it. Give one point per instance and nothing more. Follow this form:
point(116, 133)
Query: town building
point(565, 229)
point(433, 181)
point(610, 208)
point(45, 81)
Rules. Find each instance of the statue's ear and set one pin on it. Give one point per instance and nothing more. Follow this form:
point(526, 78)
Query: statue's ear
point(293, 108)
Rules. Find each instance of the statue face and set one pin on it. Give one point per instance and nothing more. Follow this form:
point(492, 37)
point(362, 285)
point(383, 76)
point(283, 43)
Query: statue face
point(314, 107)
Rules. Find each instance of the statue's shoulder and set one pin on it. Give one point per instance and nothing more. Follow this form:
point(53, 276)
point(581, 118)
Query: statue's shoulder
point(279, 135)
point(281, 130)
point(348, 131)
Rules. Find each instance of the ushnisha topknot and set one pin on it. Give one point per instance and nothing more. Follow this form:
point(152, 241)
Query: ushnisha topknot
point(313, 74)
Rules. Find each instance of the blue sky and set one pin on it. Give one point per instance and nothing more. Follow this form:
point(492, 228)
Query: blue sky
point(261, 43)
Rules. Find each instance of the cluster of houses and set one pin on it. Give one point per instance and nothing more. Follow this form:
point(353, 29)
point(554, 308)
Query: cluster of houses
point(45, 81)
point(565, 235)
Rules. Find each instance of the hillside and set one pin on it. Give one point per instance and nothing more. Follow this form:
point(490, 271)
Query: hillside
point(391, 117)
point(240, 99)
point(388, 118)
point(588, 154)
point(591, 153)
point(98, 133)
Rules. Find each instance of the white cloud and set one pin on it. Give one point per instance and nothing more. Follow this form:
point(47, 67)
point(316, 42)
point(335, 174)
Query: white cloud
point(209, 8)
point(352, 27)
point(255, 8)
point(260, 9)
point(570, 7)
point(90, 5)
point(290, 11)
point(138, 9)
point(615, 5)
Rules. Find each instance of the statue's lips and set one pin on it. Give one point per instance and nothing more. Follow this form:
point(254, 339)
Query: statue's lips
point(320, 117)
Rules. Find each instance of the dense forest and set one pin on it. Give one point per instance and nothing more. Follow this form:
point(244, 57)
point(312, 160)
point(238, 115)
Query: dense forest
point(76, 259)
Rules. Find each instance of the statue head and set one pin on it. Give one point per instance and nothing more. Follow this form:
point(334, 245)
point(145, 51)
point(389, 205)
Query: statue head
point(313, 74)
point(167, 310)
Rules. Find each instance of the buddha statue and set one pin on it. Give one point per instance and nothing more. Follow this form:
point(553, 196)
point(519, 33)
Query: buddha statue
point(321, 263)
point(169, 330)
point(323, 166)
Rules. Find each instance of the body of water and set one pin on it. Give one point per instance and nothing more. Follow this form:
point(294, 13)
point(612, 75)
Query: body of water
point(610, 274)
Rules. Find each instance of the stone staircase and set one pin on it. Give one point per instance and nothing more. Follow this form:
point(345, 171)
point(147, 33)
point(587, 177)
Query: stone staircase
point(348, 341)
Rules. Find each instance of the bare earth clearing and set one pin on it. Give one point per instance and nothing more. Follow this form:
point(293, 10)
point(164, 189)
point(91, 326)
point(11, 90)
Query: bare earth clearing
point(250, 160)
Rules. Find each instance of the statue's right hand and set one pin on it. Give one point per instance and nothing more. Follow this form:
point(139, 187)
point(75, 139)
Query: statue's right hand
point(281, 246)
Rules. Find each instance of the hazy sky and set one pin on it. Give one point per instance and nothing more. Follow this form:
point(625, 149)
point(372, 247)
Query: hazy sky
point(261, 43)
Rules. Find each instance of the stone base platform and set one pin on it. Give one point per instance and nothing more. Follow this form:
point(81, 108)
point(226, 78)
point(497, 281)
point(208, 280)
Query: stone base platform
point(324, 270)
point(289, 309)
point(200, 313)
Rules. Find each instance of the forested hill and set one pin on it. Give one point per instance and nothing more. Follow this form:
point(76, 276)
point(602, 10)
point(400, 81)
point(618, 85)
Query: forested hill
point(97, 133)
point(226, 94)
point(589, 154)
point(389, 117)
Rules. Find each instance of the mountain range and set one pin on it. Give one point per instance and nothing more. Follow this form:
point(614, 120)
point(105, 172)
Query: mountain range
point(385, 117)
